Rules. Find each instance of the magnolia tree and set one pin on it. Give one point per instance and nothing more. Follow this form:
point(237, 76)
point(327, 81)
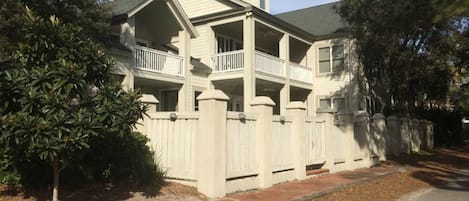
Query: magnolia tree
point(56, 92)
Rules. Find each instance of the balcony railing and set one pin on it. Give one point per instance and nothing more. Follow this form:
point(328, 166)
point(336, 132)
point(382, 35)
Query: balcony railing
point(158, 61)
point(228, 61)
point(234, 61)
point(300, 73)
point(270, 64)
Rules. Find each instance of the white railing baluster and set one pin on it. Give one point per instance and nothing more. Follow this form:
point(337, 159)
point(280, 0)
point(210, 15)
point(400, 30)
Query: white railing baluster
point(158, 61)
point(228, 61)
point(269, 64)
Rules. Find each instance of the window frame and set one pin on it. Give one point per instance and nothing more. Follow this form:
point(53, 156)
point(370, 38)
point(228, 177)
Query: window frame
point(331, 59)
point(331, 101)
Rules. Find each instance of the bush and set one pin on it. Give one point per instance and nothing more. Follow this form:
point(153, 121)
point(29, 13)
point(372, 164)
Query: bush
point(112, 158)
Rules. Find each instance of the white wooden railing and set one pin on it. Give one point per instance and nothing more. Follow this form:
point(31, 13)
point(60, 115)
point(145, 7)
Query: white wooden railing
point(241, 158)
point(315, 144)
point(228, 61)
point(281, 144)
point(158, 61)
point(301, 73)
point(269, 64)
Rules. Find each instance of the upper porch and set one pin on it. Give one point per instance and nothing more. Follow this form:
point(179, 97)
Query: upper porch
point(248, 45)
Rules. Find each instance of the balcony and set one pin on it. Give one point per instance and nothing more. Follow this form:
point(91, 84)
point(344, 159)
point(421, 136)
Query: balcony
point(148, 59)
point(234, 61)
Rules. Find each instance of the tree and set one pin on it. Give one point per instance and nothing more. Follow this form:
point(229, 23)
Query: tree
point(407, 48)
point(56, 91)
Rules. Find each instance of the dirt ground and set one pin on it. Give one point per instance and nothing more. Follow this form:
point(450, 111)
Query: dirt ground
point(107, 192)
point(426, 170)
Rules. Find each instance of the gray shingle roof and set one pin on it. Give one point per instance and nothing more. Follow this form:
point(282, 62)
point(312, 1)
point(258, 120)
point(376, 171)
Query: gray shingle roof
point(319, 20)
point(119, 7)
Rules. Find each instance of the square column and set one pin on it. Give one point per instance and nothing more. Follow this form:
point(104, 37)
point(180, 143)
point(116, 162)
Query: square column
point(185, 94)
point(297, 110)
point(127, 38)
point(249, 44)
point(284, 52)
point(211, 144)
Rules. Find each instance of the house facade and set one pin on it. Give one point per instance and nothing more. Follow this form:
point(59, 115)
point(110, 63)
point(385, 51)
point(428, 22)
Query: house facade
point(174, 50)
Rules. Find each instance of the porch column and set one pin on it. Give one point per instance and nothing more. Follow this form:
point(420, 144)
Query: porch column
point(127, 38)
point(310, 101)
point(211, 144)
point(249, 44)
point(184, 94)
point(284, 53)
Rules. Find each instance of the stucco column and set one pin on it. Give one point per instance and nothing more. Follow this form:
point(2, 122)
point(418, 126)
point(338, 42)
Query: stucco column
point(297, 110)
point(151, 102)
point(185, 93)
point(327, 115)
point(379, 132)
point(211, 144)
point(262, 106)
point(284, 53)
point(249, 44)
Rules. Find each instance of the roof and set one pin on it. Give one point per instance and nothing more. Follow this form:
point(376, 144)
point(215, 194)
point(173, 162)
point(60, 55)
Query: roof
point(122, 9)
point(319, 20)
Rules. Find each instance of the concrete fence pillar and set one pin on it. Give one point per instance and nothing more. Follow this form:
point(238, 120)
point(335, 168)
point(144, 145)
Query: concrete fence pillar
point(211, 143)
point(363, 140)
point(415, 142)
point(405, 136)
point(328, 115)
point(152, 103)
point(262, 106)
point(394, 130)
point(297, 110)
point(379, 131)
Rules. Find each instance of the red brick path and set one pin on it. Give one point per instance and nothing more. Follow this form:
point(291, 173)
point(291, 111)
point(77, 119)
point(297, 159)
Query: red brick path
point(309, 188)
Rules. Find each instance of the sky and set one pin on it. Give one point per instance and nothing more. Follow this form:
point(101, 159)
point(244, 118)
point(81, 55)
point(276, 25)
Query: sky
point(281, 6)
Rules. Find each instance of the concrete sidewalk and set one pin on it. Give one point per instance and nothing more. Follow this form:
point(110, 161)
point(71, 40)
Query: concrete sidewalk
point(315, 187)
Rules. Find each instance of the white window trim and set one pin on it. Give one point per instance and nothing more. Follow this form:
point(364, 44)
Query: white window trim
point(331, 59)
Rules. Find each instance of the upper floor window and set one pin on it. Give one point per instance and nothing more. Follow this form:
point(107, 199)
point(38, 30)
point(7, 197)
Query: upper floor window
point(331, 59)
point(262, 4)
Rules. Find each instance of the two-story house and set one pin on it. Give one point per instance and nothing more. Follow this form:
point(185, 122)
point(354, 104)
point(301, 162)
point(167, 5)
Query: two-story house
point(175, 49)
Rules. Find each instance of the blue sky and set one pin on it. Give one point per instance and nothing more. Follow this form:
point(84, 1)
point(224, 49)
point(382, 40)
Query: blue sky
point(281, 6)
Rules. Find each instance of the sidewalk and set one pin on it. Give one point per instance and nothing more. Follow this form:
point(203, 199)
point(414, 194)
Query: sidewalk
point(315, 187)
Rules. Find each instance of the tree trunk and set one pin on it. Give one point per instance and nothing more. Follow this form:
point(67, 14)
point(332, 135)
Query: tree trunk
point(56, 171)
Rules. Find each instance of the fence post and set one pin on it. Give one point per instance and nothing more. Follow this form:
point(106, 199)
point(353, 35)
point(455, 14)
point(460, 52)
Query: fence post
point(152, 103)
point(379, 132)
point(394, 129)
point(405, 135)
point(211, 143)
point(263, 107)
point(297, 110)
point(328, 115)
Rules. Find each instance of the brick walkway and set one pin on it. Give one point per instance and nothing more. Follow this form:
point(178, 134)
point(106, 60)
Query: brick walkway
point(314, 187)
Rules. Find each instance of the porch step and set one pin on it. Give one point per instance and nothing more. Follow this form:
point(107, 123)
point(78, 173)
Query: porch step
point(317, 172)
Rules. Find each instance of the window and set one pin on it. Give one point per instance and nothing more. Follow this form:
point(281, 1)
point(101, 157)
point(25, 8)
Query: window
point(226, 44)
point(331, 59)
point(262, 4)
point(335, 103)
point(196, 102)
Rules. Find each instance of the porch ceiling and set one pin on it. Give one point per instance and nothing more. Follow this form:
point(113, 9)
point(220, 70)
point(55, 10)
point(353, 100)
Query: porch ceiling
point(151, 84)
point(156, 23)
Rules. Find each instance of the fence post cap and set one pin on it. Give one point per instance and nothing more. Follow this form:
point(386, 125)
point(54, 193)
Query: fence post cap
point(296, 105)
point(149, 98)
point(213, 94)
point(262, 100)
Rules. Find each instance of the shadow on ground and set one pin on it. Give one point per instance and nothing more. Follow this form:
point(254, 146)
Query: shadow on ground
point(443, 168)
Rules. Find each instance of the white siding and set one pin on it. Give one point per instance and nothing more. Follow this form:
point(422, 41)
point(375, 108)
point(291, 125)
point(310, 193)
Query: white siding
point(196, 8)
point(200, 45)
